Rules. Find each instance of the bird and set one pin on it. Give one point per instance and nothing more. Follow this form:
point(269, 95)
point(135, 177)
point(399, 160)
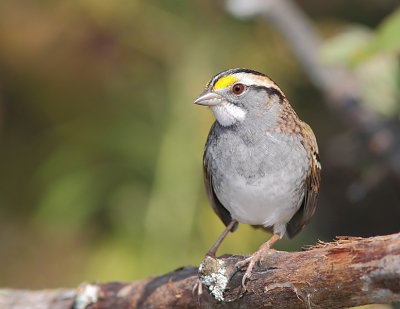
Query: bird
point(261, 162)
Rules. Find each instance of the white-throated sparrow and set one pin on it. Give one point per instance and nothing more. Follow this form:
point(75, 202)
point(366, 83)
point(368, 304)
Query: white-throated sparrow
point(261, 162)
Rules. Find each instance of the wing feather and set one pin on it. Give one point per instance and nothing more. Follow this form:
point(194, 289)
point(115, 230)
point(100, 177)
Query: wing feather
point(311, 186)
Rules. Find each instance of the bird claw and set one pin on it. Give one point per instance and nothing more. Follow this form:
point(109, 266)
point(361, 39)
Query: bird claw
point(198, 289)
point(239, 265)
point(251, 261)
point(244, 278)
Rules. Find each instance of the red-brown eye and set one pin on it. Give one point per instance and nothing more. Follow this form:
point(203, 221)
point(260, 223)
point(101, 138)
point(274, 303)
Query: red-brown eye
point(238, 88)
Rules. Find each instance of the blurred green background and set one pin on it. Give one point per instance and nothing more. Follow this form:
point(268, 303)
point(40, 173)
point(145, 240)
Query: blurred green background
point(101, 148)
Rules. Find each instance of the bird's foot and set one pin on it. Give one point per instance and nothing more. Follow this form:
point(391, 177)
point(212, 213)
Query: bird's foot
point(251, 261)
point(198, 291)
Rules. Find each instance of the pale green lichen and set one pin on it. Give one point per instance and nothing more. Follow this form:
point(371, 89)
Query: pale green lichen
point(87, 294)
point(216, 281)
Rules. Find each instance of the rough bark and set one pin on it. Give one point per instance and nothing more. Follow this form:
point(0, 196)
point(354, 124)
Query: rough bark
point(345, 273)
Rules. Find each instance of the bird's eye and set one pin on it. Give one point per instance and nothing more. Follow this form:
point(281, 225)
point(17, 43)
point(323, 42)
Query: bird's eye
point(238, 88)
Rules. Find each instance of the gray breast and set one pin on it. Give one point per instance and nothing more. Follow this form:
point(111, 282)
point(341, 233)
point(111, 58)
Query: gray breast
point(259, 178)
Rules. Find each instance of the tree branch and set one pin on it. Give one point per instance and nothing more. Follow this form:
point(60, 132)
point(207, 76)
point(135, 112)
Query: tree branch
point(345, 273)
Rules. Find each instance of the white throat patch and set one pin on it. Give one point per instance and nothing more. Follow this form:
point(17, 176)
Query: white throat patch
point(227, 113)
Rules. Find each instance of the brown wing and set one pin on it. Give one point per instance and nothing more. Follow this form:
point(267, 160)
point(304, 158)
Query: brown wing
point(218, 208)
point(312, 183)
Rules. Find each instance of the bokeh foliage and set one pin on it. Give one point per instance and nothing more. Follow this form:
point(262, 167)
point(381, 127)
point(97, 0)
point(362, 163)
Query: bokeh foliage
point(101, 148)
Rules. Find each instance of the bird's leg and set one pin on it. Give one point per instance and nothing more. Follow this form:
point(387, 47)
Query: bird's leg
point(257, 256)
point(213, 250)
point(212, 254)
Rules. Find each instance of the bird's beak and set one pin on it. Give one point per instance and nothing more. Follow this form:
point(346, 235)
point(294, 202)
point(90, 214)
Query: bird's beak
point(209, 99)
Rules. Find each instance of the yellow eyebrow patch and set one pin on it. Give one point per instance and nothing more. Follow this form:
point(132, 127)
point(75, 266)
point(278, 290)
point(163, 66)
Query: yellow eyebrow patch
point(225, 81)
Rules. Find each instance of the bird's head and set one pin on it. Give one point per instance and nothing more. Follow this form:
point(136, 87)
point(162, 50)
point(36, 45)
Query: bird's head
point(238, 94)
